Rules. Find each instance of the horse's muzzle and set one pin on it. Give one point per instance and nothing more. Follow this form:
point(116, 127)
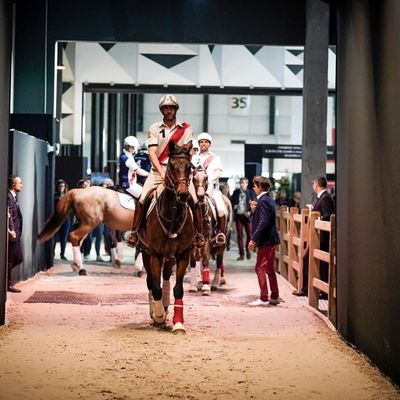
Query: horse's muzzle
point(183, 196)
point(200, 192)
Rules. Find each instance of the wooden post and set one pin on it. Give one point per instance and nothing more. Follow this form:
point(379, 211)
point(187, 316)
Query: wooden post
point(293, 247)
point(284, 237)
point(313, 262)
point(332, 272)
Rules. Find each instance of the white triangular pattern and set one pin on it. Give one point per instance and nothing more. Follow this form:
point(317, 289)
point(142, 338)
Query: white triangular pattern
point(292, 59)
point(271, 57)
point(208, 73)
point(217, 58)
point(69, 63)
point(291, 80)
point(153, 73)
point(188, 69)
point(163, 48)
point(125, 54)
point(241, 68)
point(65, 108)
point(94, 64)
point(68, 99)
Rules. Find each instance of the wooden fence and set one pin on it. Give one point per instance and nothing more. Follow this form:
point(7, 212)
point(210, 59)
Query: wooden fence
point(300, 235)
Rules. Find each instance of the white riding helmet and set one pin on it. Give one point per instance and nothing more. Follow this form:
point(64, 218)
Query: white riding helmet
point(169, 100)
point(132, 141)
point(204, 136)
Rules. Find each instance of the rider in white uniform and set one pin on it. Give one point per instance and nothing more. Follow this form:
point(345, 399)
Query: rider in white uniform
point(128, 168)
point(212, 163)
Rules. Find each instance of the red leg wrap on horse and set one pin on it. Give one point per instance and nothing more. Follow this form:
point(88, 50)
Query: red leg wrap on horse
point(206, 275)
point(178, 311)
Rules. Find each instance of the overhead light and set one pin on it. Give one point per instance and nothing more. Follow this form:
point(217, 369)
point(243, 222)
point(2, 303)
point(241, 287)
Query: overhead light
point(112, 83)
point(251, 87)
point(165, 85)
point(61, 67)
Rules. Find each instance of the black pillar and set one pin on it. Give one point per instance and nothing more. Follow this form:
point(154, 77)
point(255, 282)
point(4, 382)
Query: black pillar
point(315, 95)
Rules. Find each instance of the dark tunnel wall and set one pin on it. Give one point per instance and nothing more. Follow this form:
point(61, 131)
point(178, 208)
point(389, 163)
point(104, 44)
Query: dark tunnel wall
point(368, 172)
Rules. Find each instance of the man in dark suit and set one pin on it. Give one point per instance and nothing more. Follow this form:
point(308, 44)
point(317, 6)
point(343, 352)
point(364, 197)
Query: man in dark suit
point(265, 236)
point(14, 228)
point(326, 206)
point(240, 200)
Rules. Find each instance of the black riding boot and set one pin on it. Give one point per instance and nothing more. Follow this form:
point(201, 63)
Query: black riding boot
point(133, 238)
point(220, 239)
point(199, 240)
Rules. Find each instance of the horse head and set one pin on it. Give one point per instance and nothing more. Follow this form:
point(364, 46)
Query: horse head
point(200, 182)
point(177, 176)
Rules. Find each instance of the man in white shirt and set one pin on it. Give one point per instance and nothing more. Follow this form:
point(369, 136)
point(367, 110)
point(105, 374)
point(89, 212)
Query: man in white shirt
point(212, 163)
point(158, 137)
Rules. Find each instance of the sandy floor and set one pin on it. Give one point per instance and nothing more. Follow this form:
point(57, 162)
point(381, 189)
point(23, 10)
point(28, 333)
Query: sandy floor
point(230, 351)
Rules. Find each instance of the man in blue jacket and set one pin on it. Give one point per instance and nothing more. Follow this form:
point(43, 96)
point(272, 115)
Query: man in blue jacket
point(265, 237)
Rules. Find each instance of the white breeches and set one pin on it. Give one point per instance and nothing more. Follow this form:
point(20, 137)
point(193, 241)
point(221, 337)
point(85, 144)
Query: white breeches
point(135, 189)
point(216, 195)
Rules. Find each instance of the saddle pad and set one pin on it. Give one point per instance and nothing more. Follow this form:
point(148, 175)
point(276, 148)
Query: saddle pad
point(126, 201)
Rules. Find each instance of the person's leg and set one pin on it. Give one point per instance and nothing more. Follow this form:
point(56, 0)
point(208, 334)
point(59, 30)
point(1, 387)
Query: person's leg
point(261, 268)
point(270, 270)
point(64, 231)
point(247, 228)
point(98, 233)
point(239, 234)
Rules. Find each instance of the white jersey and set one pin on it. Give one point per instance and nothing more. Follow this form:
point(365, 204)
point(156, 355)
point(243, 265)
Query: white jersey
point(159, 135)
point(212, 163)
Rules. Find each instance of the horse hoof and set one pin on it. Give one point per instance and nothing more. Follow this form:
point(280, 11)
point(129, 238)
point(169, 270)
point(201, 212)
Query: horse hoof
point(159, 319)
point(117, 264)
point(139, 274)
point(75, 267)
point(206, 290)
point(82, 272)
point(214, 288)
point(193, 289)
point(178, 329)
point(222, 281)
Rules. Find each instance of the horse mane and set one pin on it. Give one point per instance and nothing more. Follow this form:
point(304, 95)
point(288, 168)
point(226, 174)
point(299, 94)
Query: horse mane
point(175, 150)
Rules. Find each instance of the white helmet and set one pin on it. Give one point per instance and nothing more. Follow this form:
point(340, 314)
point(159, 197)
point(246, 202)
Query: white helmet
point(169, 100)
point(204, 136)
point(132, 141)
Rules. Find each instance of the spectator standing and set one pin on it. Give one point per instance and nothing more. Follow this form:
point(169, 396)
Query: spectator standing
point(15, 256)
point(62, 234)
point(143, 161)
point(326, 206)
point(265, 237)
point(241, 199)
point(295, 200)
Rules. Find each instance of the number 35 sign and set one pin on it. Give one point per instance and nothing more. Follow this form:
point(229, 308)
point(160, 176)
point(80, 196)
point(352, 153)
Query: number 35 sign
point(239, 105)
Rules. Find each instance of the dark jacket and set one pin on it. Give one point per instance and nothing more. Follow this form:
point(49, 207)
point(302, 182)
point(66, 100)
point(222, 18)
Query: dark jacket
point(15, 224)
point(264, 232)
point(325, 205)
point(250, 195)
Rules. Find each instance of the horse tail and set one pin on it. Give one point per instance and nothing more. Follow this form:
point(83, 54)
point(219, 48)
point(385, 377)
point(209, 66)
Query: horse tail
point(53, 224)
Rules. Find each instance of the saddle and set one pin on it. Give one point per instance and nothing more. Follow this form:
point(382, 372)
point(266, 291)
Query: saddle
point(126, 199)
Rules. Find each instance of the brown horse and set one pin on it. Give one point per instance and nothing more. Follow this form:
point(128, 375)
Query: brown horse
point(167, 237)
point(91, 206)
point(212, 249)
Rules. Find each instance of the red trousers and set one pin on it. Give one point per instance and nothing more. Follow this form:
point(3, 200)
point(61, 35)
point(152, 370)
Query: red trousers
point(265, 267)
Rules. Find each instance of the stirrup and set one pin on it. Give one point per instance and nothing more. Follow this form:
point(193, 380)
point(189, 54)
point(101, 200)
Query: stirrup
point(131, 238)
point(199, 241)
point(220, 239)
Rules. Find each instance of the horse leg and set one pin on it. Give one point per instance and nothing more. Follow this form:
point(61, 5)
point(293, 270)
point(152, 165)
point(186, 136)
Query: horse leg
point(139, 264)
point(178, 320)
point(222, 280)
point(166, 285)
point(193, 275)
point(159, 316)
point(206, 277)
point(216, 280)
point(76, 237)
point(149, 281)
